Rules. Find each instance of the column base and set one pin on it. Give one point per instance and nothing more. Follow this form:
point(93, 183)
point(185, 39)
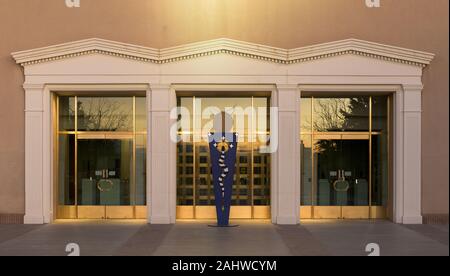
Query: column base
point(33, 219)
point(287, 220)
point(160, 220)
point(413, 220)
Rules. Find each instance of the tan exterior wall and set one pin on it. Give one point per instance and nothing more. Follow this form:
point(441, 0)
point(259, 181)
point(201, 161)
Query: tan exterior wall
point(414, 24)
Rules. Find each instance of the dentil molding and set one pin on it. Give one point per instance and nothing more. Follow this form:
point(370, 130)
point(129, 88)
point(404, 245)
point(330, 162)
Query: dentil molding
point(224, 46)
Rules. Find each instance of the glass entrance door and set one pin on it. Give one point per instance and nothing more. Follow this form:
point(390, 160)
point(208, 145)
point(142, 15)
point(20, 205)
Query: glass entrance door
point(104, 178)
point(342, 174)
point(251, 187)
point(344, 157)
point(101, 150)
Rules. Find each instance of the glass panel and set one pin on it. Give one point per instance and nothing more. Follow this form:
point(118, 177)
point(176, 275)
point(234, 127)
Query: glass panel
point(342, 172)
point(305, 115)
point(252, 166)
point(340, 164)
point(204, 189)
point(185, 117)
point(261, 119)
point(141, 114)
point(239, 108)
point(104, 172)
point(185, 152)
point(380, 152)
point(261, 176)
point(242, 186)
point(241, 111)
point(185, 173)
point(306, 170)
point(110, 172)
point(66, 113)
point(141, 169)
point(105, 114)
point(341, 114)
point(66, 169)
point(261, 160)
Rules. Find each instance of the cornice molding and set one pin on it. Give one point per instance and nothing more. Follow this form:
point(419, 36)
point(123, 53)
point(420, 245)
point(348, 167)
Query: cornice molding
point(224, 46)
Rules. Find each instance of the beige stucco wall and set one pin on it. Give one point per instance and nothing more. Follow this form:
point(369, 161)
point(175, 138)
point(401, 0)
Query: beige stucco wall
point(415, 24)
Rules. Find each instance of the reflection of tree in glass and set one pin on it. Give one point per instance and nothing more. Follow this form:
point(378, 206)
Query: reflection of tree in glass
point(339, 114)
point(103, 114)
point(357, 116)
point(325, 146)
point(329, 114)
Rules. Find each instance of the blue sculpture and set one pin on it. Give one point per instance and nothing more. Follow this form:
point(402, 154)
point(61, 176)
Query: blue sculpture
point(222, 148)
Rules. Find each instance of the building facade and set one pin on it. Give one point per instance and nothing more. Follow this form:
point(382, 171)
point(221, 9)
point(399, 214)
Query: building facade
point(341, 109)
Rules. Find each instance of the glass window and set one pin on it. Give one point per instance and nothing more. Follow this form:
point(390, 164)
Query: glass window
point(141, 170)
point(380, 151)
point(105, 114)
point(306, 170)
point(305, 114)
point(261, 159)
point(343, 161)
point(243, 176)
point(342, 172)
point(66, 113)
point(203, 179)
point(341, 114)
point(141, 114)
point(185, 174)
point(239, 108)
point(104, 172)
point(101, 170)
point(251, 120)
point(66, 169)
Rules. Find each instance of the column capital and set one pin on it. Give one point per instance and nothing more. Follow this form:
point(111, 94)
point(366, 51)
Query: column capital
point(286, 87)
point(288, 97)
point(34, 94)
point(160, 97)
point(33, 86)
point(160, 86)
point(412, 88)
point(412, 98)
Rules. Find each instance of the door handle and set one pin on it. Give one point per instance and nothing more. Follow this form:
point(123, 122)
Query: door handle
point(341, 181)
point(343, 175)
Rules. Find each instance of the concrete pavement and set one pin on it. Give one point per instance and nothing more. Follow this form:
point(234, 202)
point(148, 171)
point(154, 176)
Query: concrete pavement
point(251, 238)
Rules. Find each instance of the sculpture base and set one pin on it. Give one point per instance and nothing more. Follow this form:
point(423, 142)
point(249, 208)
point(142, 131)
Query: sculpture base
point(223, 226)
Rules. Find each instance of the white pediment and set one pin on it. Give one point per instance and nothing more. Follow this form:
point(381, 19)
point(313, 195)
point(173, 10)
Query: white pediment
point(224, 46)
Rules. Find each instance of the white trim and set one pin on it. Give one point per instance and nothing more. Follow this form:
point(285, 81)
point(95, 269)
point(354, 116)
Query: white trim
point(224, 45)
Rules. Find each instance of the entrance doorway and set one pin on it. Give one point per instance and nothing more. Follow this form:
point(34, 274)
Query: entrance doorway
point(251, 188)
point(101, 156)
point(345, 157)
